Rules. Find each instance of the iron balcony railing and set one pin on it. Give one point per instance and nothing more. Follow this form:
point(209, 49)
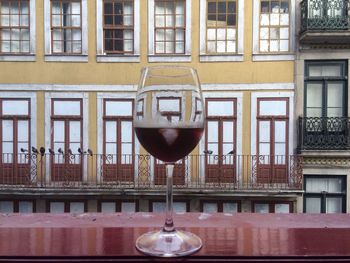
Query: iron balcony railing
point(142, 172)
point(324, 133)
point(324, 15)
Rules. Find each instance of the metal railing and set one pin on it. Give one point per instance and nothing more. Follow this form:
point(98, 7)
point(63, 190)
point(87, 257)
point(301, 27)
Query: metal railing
point(142, 172)
point(324, 133)
point(324, 15)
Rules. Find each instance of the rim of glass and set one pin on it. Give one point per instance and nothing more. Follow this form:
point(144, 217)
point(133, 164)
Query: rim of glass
point(148, 69)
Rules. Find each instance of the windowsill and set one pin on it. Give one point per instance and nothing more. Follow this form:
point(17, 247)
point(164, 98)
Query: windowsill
point(274, 57)
point(118, 58)
point(170, 58)
point(66, 58)
point(221, 57)
point(226, 237)
point(18, 57)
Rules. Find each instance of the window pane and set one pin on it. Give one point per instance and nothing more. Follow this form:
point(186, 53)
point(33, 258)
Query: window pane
point(74, 131)
point(23, 131)
point(118, 108)
point(230, 208)
point(280, 131)
point(210, 208)
point(111, 131)
point(158, 207)
point(108, 207)
point(169, 105)
point(334, 205)
point(335, 94)
point(261, 208)
point(228, 133)
point(180, 207)
point(7, 130)
point(325, 70)
point(213, 133)
point(6, 207)
point(128, 207)
point(264, 131)
point(127, 131)
point(58, 131)
point(76, 207)
point(126, 148)
point(313, 205)
point(15, 107)
point(273, 108)
point(56, 207)
point(282, 208)
point(25, 207)
point(220, 108)
point(68, 108)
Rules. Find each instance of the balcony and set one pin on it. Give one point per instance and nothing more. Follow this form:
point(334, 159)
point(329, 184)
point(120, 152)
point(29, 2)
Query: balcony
point(324, 133)
point(142, 173)
point(325, 22)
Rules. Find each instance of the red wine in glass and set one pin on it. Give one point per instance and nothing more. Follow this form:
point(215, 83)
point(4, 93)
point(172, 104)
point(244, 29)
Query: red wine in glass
point(169, 144)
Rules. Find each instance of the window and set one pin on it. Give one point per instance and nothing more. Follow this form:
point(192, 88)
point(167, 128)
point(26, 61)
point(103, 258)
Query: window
point(15, 140)
point(325, 89)
point(221, 26)
point(325, 125)
point(17, 29)
point(220, 146)
point(273, 26)
point(17, 206)
point(118, 140)
point(118, 26)
point(66, 139)
point(76, 207)
point(118, 30)
point(178, 206)
point(65, 30)
point(325, 194)
point(272, 207)
point(169, 30)
point(66, 33)
point(15, 26)
point(272, 148)
point(125, 206)
point(220, 206)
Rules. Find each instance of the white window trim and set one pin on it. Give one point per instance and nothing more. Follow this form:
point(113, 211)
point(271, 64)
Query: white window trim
point(33, 128)
point(66, 95)
point(204, 57)
point(152, 57)
point(103, 57)
point(201, 146)
point(32, 38)
point(257, 56)
point(100, 98)
point(254, 110)
point(83, 57)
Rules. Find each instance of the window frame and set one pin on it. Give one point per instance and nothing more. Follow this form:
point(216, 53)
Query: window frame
point(66, 204)
point(209, 57)
point(118, 204)
point(65, 57)
point(30, 55)
point(16, 204)
point(101, 55)
point(276, 56)
point(151, 201)
point(152, 55)
point(220, 204)
point(324, 195)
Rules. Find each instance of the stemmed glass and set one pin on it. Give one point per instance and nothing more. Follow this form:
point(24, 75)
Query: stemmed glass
point(169, 122)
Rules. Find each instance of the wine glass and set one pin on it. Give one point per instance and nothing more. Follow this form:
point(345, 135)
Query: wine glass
point(169, 122)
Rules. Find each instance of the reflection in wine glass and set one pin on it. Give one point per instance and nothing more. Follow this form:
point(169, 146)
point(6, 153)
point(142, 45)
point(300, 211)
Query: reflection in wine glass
point(169, 122)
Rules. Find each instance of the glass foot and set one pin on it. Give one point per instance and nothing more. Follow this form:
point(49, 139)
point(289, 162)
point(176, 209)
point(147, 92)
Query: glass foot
point(168, 244)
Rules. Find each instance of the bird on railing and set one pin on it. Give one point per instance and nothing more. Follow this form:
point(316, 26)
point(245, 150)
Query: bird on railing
point(231, 152)
point(208, 152)
point(81, 151)
point(51, 151)
point(60, 150)
point(70, 152)
point(42, 151)
point(90, 152)
point(34, 150)
point(24, 150)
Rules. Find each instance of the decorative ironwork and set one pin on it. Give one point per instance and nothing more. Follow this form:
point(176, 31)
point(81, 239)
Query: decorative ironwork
point(324, 133)
point(324, 15)
point(228, 173)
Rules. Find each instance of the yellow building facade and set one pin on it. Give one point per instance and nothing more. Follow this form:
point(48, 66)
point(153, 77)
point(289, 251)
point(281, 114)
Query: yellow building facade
point(69, 72)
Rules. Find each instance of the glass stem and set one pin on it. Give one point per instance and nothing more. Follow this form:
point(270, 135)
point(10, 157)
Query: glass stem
point(169, 223)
